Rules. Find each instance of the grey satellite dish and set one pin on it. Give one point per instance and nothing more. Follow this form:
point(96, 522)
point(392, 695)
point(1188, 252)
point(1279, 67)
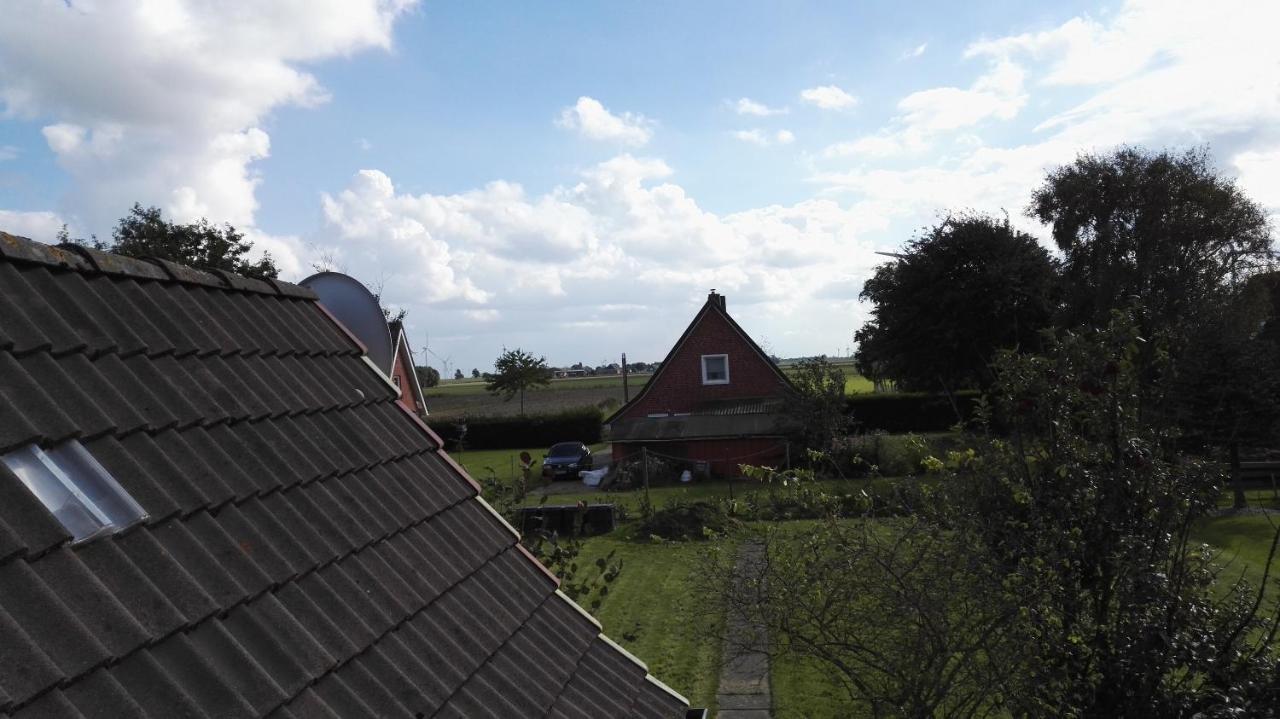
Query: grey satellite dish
point(358, 310)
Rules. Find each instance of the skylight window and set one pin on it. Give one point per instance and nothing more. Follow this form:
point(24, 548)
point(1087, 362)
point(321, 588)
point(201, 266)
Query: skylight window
point(75, 488)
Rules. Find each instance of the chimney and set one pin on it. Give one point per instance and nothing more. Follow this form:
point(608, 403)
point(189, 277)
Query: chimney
point(717, 300)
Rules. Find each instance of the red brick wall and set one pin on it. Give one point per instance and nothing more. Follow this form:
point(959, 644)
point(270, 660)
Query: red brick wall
point(401, 374)
point(679, 384)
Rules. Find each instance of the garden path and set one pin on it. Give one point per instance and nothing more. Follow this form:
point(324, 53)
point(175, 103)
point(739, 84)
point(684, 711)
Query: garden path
point(744, 676)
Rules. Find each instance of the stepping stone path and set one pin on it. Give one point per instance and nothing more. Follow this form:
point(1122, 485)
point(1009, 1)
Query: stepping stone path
point(744, 677)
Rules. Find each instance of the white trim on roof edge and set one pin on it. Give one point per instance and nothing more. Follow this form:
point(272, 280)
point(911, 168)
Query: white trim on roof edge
point(581, 611)
point(382, 375)
point(625, 653)
point(658, 683)
point(501, 518)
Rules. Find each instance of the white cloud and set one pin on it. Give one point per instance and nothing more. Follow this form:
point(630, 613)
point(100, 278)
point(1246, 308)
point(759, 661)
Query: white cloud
point(41, 226)
point(747, 106)
point(915, 52)
point(828, 97)
point(364, 144)
point(762, 138)
point(170, 109)
point(8, 152)
point(589, 117)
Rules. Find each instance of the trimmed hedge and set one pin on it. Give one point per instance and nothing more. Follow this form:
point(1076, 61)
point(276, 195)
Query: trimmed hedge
point(908, 411)
point(533, 430)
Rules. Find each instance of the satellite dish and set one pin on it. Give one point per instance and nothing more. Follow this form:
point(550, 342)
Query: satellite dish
point(358, 310)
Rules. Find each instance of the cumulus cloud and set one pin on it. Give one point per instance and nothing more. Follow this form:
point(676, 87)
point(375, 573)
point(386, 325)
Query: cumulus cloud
point(168, 110)
point(1156, 74)
point(589, 117)
point(763, 138)
point(747, 106)
point(828, 97)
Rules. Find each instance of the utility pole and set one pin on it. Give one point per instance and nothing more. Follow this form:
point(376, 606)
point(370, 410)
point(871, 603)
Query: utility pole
point(626, 395)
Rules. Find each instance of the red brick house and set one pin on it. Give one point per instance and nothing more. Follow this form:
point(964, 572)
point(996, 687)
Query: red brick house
point(716, 399)
point(402, 373)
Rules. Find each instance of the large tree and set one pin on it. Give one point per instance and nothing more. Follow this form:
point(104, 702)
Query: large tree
point(145, 233)
point(1163, 228)
point(1225, 388)
point(967, 287)
point(514, 372)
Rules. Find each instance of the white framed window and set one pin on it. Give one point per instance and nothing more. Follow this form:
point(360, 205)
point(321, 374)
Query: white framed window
point(715, 369)
point(75, 488)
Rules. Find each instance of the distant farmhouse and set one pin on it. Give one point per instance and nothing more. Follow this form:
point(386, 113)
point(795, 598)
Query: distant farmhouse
point(402, 371)
point(213, 504)
point(716, 400)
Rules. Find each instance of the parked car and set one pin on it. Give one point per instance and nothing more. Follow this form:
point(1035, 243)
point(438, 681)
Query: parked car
point(566, 460)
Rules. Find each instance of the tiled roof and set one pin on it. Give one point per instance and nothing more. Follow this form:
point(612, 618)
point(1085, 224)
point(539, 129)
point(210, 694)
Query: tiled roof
point(310, 551)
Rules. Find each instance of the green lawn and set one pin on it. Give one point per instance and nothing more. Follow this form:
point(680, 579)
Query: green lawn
point(651, 613)
point(1244, 540)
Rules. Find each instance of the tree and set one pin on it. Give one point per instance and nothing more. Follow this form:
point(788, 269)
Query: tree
point(427, 376)
point(457, 374)
point(145, 233)
point(817, 407)
point(475, 373)
point(1164, 228)
point(516, 371)
point(1051, 571)
point(967, 287)
point(1226, 384)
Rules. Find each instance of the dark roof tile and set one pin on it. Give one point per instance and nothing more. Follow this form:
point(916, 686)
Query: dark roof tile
point(24, 668)
point(153, 689)
point(111, 264)
point(233, 662)
point(109, 621)
point(189, 275)
point(284, 649)
point(180, 589)
point(196, 676)
point(131, 587)
point(309, 551)
point(52, 387)
point(53, 705)
point(22, 249)
point(99, 696)
point(357, 680)
point(48, 621)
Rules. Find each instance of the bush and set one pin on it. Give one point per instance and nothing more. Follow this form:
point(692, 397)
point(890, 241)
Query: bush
point(881, 454)
point(534, 430)
point(908, 411)
point(688, 520)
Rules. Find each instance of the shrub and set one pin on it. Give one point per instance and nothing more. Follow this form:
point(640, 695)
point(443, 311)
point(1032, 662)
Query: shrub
point(908, 411)
point(688, 520)
point(535, 430)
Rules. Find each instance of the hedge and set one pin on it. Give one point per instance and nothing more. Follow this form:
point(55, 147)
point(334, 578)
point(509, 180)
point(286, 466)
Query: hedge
point(532, 430)
point(908, 411)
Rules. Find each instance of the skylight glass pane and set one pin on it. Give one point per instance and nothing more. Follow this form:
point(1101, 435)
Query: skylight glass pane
point(71, 484)
point(97, 484)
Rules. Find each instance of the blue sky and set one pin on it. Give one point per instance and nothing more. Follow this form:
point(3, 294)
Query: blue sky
point(572, 178)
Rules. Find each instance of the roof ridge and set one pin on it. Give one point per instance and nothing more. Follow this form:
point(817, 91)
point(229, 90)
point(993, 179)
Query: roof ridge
point(86, 260)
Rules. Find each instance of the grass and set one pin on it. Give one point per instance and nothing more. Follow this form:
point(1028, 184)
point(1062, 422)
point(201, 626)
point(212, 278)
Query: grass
point(652, 613)
point(1244, 540)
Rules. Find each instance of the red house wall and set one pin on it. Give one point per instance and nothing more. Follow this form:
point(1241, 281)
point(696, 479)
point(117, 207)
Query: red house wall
point(679, 385)
point(401, 374)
